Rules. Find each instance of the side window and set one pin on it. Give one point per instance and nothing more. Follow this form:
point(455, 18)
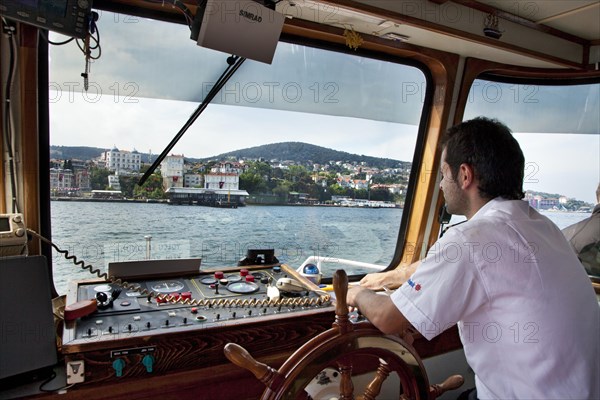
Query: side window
point(558, 128)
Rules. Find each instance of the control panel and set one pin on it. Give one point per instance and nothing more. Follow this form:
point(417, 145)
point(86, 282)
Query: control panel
point(69, 17)
point(196, 302)
point(142, 328)
point(13, 235)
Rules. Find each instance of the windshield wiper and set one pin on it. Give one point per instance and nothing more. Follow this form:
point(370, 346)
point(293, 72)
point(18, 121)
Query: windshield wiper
point(233, 63)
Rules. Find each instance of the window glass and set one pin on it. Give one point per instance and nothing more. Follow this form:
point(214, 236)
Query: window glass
point(558, 128)
point(341, 130)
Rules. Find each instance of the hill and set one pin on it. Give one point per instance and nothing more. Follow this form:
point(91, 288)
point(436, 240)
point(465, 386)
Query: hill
point(301, 153)
point(304, 153)
point(75, 152)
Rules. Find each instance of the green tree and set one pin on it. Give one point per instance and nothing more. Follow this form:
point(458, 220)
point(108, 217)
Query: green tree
point(128, 184)
point(151, 189)
point(282, 190)
point(99, 178)
point(337, 190)
point(253, 183)
point(381, 195)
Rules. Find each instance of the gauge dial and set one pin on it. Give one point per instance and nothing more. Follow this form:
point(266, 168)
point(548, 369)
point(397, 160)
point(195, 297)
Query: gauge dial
point(243, 287)
point(167, 286)
point(233, 278)
point(209, 280)
point(259, 275)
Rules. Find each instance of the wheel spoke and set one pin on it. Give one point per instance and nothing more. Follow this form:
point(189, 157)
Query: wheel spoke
point(373, 388)
point(346, 385)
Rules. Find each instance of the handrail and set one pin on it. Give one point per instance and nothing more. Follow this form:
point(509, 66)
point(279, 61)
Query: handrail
point(318, 260)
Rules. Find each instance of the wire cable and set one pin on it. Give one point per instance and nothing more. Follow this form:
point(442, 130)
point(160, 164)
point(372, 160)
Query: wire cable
point(323, 298)
point(8, 134)
point(44, 35)
point(189, 18)
point(50, 378)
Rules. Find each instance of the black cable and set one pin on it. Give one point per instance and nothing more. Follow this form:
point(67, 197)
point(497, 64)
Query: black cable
point(44, 35)
point(451, 226)
point(181, 6)
point(90, 268)
point(173, 298)
point(234, 62)
point(10, 31)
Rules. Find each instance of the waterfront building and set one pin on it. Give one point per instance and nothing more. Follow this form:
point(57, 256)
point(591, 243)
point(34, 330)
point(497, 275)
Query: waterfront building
point(61, 179)
point(82, 179)
point(193, 180)
point(171, 169)
point(225, 175)
point(113, 182)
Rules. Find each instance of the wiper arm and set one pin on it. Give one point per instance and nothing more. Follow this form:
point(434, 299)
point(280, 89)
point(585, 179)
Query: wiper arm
point(234, 62)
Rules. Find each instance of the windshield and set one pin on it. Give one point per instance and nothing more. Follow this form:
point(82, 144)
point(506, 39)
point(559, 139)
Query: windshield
point(309, 156)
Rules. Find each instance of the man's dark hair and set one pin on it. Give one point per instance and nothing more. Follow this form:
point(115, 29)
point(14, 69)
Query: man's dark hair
point(488, 146)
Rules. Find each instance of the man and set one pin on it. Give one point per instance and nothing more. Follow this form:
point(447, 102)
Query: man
point(526, 312)
point(584, 237)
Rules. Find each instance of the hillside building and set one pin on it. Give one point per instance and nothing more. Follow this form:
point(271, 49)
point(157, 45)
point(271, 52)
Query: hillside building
point(117, 160)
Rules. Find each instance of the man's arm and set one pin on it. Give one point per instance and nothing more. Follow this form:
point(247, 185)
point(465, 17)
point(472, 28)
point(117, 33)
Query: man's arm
point(391, 279)
point(379, 310)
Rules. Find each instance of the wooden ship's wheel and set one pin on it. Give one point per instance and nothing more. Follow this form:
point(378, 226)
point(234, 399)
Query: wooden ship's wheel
point(346, 347)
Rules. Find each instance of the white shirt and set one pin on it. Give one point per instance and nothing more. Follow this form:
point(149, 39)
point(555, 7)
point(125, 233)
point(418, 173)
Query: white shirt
point(527, 314)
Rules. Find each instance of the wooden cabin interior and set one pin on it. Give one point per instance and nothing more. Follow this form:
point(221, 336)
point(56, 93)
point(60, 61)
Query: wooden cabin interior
point(454, 43)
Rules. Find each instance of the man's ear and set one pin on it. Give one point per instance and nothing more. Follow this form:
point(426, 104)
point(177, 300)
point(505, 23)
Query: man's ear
point(466, 176)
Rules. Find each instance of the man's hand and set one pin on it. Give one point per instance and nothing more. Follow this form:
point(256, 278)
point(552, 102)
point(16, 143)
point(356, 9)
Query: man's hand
point(353, 292)
point(376, 281)
point(378, 309)
point(391, 279)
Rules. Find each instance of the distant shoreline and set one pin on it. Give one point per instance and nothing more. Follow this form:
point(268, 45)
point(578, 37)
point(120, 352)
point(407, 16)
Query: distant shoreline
point(91, 200)
point(166, 201)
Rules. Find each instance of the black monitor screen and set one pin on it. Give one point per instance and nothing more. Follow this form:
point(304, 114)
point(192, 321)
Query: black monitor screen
point(53, 7)
point(68, 17)
point(4, 224)
point(31, 3)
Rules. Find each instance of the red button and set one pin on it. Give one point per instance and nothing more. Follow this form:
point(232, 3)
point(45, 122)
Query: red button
point(219, 275)
point(186, 295)
point(243, 272)
point(249, 278)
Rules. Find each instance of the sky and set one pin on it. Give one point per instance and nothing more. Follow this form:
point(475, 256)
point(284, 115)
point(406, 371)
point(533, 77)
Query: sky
point(150, 125)
point(373, 116)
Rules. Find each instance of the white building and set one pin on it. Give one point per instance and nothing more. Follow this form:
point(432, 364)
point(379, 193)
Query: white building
point(222, 180)
point(171, 169)
point(61, 179)
point(113, 182)
point(228, 167)
point(82, 179)
point(117, 160)
point(225, 175)
point(193, 180)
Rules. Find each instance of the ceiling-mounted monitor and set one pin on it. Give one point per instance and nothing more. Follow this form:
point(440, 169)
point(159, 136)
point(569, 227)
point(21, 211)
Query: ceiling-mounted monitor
point(69, 17)
point(241, 27)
